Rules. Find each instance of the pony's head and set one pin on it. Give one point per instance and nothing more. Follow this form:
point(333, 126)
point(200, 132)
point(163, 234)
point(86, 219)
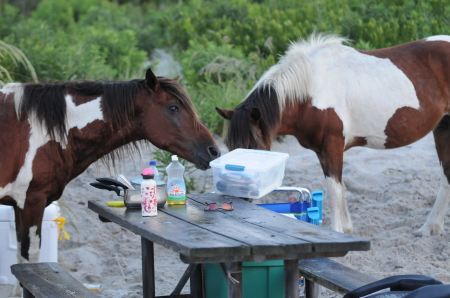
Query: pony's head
point(170, 121)
point(253, 122)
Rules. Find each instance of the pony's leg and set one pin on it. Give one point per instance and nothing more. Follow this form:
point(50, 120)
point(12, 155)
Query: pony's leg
point(435, 222)
point(332, 161)
point(28, 233)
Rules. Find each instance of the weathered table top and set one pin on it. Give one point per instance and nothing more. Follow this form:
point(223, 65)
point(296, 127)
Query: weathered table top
point(248, 233)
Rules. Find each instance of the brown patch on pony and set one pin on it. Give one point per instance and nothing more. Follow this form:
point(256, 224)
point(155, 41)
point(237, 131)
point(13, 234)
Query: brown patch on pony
point(16, 137)
point(244, 130)
point(357, 141)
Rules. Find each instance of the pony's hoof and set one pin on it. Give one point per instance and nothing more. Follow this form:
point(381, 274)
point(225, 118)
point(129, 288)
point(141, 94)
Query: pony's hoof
point(348, 230)
point(427, 230)
point(17, 290)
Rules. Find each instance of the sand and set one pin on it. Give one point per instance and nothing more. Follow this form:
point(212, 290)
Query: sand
point(389, 193)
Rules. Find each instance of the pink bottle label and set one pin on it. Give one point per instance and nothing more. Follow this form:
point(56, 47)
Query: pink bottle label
point(148, 199)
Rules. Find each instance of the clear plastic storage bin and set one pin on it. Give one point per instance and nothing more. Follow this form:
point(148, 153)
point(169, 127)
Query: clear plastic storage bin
point(248, 173)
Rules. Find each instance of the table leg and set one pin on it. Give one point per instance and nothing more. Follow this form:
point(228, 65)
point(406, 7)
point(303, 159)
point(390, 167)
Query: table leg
point(291, 278)
point(148, 268)
point(27, 294)
point(312, 290)
point(235, 284)
point(197, 282)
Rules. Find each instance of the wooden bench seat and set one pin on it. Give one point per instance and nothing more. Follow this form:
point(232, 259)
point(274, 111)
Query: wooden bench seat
point(331, 275)
point(48, 280)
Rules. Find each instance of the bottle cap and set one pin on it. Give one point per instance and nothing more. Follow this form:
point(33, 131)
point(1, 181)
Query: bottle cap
point(174, 158)
point(148, 173)
point(153, 163)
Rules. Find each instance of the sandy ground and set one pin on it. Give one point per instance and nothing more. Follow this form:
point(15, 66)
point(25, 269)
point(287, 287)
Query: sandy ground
point(389, 193)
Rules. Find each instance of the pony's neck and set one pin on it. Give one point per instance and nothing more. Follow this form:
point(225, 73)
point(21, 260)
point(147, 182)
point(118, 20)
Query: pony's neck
point(311, 120)
point(97, 140)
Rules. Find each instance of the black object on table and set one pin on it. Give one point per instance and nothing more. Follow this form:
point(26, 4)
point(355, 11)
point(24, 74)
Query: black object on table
point(248, 233)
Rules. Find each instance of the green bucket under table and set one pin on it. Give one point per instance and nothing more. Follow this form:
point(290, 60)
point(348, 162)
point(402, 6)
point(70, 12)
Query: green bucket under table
point(259, 280)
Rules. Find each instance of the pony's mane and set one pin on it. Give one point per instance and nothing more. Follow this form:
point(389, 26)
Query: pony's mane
point(47, 102)
point(291, 77)
point(241, 131)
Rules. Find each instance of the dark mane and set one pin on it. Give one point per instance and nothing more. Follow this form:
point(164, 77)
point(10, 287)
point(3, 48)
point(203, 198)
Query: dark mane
point(241, 132)
point(47, 101)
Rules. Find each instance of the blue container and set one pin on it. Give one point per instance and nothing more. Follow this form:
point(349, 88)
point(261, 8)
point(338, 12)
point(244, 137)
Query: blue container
point(317, 198)
point(298, 209)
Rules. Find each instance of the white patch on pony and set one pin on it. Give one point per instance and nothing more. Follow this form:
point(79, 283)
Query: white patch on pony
point(438, 38)
point(17, 89)
point(17, 290)
point(77, 116)
point(81, 115)
point(34, 251)
point(435, 221)
point(340, 217)
point(365, 91)
point(291, 77)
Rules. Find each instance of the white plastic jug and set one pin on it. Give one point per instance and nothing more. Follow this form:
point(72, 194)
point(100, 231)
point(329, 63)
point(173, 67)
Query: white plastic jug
point(8, 242)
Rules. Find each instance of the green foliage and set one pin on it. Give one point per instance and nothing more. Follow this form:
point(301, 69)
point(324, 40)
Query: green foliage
point(15, 56)
point(223, 46)
point(71, 39)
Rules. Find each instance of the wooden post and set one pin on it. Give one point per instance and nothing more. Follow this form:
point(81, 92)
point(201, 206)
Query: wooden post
point(148, 268)
point(291, 278)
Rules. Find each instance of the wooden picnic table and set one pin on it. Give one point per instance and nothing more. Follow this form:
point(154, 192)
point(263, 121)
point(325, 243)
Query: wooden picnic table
point(248, 233)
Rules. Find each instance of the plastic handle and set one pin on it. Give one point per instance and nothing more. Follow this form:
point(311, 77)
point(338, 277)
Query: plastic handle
point(113, 182)
point(100, 185)
point(314, 215)
point(317, 198)
point(306, 194)
point(235, 168)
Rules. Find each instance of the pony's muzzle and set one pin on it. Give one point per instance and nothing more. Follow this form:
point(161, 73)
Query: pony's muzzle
point(213, 152)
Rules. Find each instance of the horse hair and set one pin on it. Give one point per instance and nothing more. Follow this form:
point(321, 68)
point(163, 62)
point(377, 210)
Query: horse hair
point(241, 131)
point(292, 76)
point(47, 101)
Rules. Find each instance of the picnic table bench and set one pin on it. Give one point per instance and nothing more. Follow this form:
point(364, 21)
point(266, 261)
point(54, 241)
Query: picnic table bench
point(48, 280)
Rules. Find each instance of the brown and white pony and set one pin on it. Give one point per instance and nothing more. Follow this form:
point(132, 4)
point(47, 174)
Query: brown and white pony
point(332, 97)
point(52, 132)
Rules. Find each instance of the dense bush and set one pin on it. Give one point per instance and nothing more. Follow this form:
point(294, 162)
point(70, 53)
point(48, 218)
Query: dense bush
point(223, 46)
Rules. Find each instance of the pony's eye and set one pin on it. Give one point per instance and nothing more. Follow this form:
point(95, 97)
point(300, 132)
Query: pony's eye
point(174, 108)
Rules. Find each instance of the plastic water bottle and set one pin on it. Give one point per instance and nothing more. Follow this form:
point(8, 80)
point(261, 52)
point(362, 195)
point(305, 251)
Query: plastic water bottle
point(148, 193)
point(155, 170)
point(176, 188)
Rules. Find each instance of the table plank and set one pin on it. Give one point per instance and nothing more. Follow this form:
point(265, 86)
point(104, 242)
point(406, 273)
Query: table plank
point(180, 236)
point(321, 239)
point(262, 240)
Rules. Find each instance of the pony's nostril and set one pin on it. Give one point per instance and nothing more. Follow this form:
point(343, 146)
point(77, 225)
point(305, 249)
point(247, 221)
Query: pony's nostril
point(213, 151)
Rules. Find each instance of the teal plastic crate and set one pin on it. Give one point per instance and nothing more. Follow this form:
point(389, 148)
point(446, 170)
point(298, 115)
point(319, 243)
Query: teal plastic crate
point(268, 276)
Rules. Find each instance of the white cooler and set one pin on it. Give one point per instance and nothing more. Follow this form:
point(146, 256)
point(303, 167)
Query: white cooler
point(8, 243)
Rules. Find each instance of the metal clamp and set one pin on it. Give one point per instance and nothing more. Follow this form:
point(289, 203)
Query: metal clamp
point(304, 193)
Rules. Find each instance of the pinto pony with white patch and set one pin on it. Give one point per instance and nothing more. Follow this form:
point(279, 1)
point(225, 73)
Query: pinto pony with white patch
point(332, 97)
point(52, 132)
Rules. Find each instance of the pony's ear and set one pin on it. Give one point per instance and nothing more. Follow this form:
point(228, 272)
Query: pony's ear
point(177, 79)
point(255, 115)
point(225, 113)
point(151, 80)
